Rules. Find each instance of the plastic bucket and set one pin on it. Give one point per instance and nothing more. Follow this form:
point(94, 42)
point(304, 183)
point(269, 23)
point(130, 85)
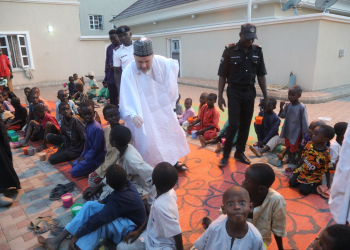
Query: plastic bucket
point(30, 151)
point(258, 120)
point(75, 209)
point(223, 141)
point(14, 138)
point(11, 133)
point(67, 200)
point(194, 135)
point(25, 150)
point(42, 156)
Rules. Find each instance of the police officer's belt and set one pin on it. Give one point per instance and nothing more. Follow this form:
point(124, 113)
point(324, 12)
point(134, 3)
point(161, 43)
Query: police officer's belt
point(242, 87)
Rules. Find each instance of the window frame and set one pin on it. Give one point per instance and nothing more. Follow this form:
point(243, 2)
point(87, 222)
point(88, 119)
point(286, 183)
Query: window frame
point(100, 25)
point(26, 36)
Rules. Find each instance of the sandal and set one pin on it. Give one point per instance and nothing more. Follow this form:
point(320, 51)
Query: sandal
point(57, 195)
point(63, 186)
point(326, 194)
point(321, 189)
point(288, 172)
point(45, 226)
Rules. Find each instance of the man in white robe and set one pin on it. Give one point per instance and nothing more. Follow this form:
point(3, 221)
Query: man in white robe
point(339, 202)
point(148, 97)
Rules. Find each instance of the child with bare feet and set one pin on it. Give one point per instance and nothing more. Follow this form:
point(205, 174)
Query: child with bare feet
point(189, 112)
point(267, 130)
point(296, 121)
point(41, 100)
point(208, 118)
point(37, 130)
point(217, 140)
point(118, 214)
point(231, 230)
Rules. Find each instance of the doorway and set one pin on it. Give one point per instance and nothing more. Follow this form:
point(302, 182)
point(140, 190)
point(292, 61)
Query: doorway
point(175, 52)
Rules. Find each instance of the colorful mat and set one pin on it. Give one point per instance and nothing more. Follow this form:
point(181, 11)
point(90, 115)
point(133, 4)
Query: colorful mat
point(199, 191)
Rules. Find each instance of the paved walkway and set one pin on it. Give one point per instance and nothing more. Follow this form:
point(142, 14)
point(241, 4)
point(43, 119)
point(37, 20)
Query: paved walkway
point(38, 178)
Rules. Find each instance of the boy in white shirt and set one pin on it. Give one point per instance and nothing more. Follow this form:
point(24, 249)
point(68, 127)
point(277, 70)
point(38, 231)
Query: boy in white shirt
point(162, 229)
point(231, 231)
point(339, 129)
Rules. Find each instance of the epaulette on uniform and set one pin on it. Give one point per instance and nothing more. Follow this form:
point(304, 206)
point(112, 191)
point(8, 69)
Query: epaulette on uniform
point(257, 45)
point(229, 46)
point(116, 48)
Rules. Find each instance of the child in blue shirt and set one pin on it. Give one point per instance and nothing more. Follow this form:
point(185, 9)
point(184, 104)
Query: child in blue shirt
point(120, 213)
point(95, 144)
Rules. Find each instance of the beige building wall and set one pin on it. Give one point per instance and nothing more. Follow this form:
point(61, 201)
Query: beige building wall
point(332, 70)
point(106, 8)
point(56, 55)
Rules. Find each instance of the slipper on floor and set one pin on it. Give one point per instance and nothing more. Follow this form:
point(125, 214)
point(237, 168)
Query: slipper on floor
point(56, 230)
point(32, 224)
point(57, 195)
point(321, 189)
point(45, 226)
point(326, 194)
point(63, 186)
point(288, 172)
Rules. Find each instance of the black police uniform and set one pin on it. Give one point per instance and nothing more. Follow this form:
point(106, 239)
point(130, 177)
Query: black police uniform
point(240, 69)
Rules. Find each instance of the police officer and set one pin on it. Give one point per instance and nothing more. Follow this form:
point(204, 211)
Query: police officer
point(240, 63)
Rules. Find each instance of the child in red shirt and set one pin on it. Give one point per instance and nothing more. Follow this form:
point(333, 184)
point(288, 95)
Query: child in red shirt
point(38, 130)
point(208, 118)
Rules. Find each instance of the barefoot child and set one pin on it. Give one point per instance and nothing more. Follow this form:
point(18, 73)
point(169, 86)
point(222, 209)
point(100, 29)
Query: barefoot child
point(267, 203)
point(208, 118)
point(72, 138)
point(120, 213)
point(6, 116)
point(81, 96)
point(20, 115)
point(47, 106)
point(335, 237)
point(63, 97)
point(37, 130)
point(267, 130)
point(189, 112)
point(103, 95)
point(92, 85)
point(33, 99)
point(316, 160)
point(231, 230)
point(296, 121)
point(162, 228)
point(95, 144)
point(112, 116)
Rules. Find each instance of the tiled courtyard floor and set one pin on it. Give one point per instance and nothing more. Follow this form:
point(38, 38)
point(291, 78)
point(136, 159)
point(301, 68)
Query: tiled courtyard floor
point(38, 178)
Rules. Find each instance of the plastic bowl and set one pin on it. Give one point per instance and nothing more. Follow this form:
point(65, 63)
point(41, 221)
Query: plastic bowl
point(75, 209)
point(11, 133)
point(194, 135)
point(14, 138)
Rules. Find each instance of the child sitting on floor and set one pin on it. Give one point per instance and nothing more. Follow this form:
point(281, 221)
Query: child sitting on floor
point(316, 160)
point(119, 214)
point(202, 101)
point(26, 93)
point(267, 203)
point(217, 139)
point(10, 93)
point(37, 130)
point(178, 108)
point(296, 121)
point(95, 144)
point(63, 97)
point(208, 118)
point(162, 229)
point(72, 138)
point(335, 147)
point(268, 129)
point(6, 116)
point(6, 104)
point(112, 116)
point(81, 96)
point(189, 112)
point(20, 115)
point(103, 95)
point(33, 99)
point(41, 100)
point(91, 93)
point(138, 171)
point(231, 230)
point(335, 237)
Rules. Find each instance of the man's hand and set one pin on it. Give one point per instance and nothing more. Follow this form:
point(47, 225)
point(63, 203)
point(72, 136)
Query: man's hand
point(137, 121)
point(222, 103)
point(131, 237)
point(81, 159)
point(72, 242)
point(11, 76)
point(282, 104)
point(190, 127)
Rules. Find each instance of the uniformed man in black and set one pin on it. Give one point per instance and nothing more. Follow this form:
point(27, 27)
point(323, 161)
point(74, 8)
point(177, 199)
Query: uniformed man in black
point(240, 63)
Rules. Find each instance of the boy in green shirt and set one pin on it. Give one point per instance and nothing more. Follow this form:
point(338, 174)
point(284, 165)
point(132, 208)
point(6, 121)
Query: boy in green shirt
point(92, 85)
point(104, 94)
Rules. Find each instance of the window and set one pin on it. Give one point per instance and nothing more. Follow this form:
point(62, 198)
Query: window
point(113, 26)
point(15, 47)
point(96, 22)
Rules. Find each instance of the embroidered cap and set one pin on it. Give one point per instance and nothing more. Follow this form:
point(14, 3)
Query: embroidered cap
point(143, 47)
point(249, 31)
point(122, 29)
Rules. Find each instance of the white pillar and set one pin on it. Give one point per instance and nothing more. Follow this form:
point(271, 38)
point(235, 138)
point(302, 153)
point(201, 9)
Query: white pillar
point(249, 10)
